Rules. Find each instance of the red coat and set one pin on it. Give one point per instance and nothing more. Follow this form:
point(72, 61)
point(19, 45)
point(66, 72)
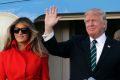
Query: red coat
point(16, 65)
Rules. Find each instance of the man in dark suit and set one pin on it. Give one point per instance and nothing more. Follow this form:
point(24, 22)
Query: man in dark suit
point(93, 57)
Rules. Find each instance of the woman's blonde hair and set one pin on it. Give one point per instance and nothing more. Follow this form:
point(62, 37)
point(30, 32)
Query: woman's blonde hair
point(34, 39)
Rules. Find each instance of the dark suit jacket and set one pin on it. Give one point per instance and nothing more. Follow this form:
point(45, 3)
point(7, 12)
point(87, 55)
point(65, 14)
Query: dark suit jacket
point(78, 50)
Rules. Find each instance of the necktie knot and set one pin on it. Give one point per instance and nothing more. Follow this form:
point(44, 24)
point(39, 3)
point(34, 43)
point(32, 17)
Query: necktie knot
point(94, 41)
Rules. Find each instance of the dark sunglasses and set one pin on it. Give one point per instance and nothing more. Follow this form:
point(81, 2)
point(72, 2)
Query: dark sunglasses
point(23, 30)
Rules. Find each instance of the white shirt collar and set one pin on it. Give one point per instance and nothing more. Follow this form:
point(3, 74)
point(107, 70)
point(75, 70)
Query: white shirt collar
point(100, 39)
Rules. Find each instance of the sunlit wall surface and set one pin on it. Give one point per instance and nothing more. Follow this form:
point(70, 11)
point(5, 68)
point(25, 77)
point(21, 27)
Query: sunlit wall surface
point(5, 21)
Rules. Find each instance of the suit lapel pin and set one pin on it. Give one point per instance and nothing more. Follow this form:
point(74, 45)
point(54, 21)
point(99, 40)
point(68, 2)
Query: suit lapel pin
point(108, 46)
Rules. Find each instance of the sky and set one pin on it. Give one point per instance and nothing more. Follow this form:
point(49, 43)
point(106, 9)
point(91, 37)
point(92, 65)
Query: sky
point(35, 8)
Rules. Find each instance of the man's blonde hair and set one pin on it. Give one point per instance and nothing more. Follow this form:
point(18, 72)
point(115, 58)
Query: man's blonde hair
point(97, 12)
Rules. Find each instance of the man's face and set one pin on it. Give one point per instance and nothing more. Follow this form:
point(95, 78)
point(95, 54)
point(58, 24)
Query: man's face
point(95, 25)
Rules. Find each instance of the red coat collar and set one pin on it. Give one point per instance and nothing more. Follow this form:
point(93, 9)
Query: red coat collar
point(14, 44)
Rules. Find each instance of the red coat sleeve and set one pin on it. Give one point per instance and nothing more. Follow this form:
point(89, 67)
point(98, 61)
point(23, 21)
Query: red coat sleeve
point(45, 69)
point(2, 70)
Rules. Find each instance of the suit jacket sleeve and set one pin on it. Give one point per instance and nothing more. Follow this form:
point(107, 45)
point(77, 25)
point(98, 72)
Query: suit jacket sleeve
point(2, 71)
point(61, 49)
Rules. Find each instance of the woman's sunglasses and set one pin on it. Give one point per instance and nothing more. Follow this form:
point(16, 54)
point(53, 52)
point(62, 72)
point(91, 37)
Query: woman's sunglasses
point(23, 30)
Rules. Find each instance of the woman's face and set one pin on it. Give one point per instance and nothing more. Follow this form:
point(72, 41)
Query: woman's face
point(21, 33)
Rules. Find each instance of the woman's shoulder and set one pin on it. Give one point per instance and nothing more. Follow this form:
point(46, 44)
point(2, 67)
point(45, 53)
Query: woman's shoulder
point(5, 52)
point(44, 56)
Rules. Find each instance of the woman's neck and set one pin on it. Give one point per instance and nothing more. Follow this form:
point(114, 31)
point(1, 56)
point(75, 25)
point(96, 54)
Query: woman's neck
point(21, 46)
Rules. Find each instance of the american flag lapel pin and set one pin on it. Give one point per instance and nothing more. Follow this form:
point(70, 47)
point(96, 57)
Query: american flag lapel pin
point(108, 46)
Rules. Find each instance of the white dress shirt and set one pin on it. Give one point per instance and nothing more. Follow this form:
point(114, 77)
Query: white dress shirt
point(99, 45)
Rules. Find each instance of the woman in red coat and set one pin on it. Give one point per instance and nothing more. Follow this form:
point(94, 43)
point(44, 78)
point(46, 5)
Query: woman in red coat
point(24, 56)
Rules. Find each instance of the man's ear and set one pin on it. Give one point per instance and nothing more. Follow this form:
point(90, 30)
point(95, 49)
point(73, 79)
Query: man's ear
point(105, 24)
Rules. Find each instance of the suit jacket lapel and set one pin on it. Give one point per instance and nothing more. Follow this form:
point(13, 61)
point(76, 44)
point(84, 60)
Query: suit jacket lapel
point(86, 47)
point(104, 54)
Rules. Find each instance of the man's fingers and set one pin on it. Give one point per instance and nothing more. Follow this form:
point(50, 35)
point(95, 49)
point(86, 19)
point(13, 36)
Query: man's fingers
point(53, 10)
point(46, 11)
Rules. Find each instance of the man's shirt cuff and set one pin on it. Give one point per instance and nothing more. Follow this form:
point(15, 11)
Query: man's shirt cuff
point(47, 37)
